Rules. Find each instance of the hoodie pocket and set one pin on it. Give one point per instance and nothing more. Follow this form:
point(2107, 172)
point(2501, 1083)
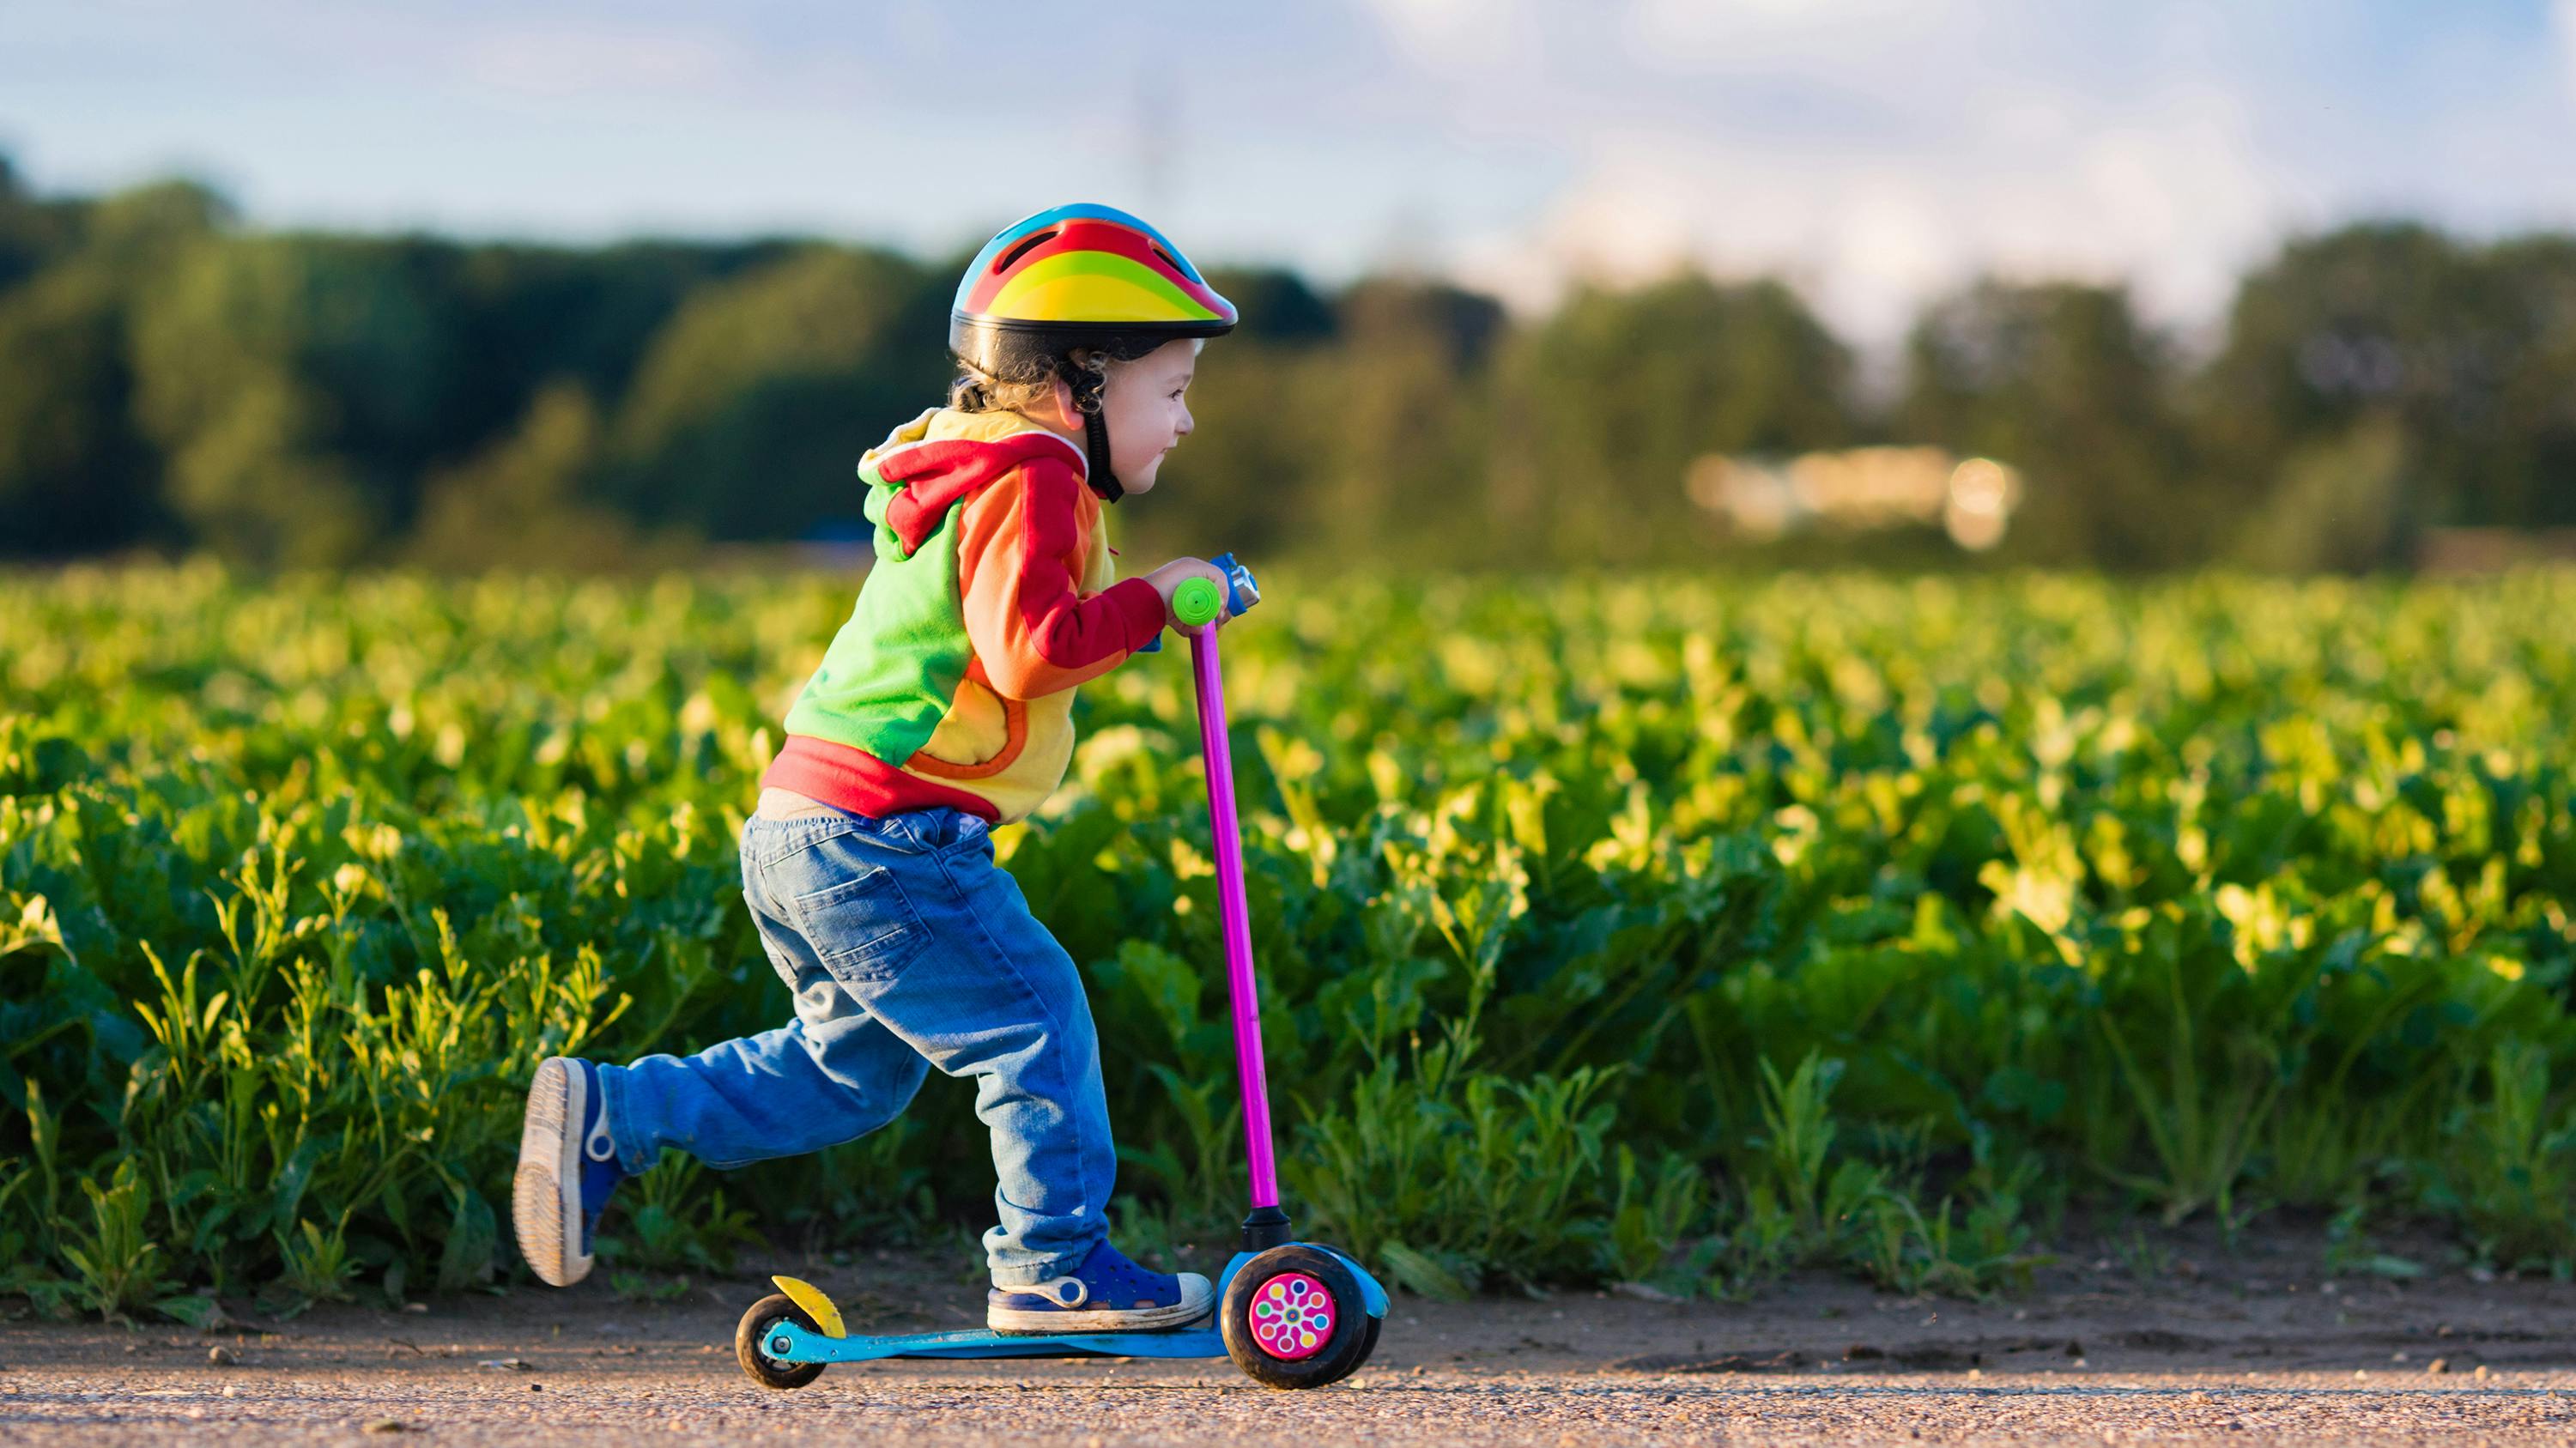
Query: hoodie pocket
point(981, 735)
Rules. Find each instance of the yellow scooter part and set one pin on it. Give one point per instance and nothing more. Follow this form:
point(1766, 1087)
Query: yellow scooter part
point(806, 1295)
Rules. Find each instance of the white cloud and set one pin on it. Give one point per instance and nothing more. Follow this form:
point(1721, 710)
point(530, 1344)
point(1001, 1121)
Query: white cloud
point(1452, 33)
point(1877, 153)
point(2172, 196)
point(563, 60)
point(1770, 32)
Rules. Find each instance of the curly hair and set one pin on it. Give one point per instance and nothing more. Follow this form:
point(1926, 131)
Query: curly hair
point(976, 390)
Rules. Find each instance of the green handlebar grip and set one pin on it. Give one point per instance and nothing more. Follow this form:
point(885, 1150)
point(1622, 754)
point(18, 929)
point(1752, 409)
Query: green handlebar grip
point(1196, 601)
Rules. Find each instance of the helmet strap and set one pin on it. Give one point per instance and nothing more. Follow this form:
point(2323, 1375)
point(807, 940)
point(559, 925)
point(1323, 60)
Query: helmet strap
point(1087, 387)
point(1095, 430)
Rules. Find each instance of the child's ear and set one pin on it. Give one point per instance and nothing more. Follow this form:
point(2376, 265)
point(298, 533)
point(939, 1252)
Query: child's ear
point(1064, 398)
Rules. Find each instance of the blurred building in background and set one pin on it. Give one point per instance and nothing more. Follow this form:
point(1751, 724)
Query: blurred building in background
point(2494, 550)
point(1858, 490)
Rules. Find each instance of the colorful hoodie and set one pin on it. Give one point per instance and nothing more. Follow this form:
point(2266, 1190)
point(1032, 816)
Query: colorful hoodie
point(990, 599)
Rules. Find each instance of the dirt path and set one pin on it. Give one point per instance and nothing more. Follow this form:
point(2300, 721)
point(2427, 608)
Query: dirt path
point(2092, 1357)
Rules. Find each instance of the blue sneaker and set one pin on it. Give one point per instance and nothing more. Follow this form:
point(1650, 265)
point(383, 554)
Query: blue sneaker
point(1105, 1293)
point(567, 1167)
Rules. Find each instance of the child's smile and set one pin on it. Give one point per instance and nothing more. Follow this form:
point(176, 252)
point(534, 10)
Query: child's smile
point(1148, 411)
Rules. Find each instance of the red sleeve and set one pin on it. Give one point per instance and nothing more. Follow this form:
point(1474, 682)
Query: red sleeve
point(1020, 555)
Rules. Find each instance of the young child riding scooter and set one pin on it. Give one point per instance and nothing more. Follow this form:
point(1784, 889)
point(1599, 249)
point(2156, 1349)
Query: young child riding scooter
point(942, 709)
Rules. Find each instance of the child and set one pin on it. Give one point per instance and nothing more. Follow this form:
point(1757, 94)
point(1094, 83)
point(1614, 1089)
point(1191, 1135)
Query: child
point(941, 709)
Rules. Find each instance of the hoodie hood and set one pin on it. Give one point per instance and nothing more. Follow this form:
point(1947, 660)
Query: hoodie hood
point(928, 466)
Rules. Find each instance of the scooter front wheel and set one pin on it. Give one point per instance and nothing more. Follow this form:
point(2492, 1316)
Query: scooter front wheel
point(751, 1343)
point(1294, 1318)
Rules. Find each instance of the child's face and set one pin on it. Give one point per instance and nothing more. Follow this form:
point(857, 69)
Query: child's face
point(1148, 416)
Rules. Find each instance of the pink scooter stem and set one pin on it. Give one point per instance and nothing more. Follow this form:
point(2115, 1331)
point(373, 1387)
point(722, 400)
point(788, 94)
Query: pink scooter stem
point(1240, 988)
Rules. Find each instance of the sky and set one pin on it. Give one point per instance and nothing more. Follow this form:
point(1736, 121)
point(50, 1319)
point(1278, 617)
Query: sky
point(1877, 153)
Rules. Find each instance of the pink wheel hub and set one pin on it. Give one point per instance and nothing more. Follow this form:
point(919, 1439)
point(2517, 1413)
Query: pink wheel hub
point(1292, 1316)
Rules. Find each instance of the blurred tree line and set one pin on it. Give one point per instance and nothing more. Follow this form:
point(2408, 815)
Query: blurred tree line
point(172, 380)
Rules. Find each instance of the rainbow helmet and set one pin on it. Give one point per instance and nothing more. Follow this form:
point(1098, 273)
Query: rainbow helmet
point(1081, 277)
point(1078, 276)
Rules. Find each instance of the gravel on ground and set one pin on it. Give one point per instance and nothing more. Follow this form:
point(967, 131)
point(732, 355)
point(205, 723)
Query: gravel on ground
point(2089, 1357)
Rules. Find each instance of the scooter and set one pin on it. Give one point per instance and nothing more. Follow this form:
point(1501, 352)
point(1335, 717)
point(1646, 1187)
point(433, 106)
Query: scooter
point(1291, 1314)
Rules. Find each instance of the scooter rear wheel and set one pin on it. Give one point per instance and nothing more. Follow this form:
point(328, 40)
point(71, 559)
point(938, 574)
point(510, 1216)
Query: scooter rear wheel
point(1295, 1318)
point(751, 1338)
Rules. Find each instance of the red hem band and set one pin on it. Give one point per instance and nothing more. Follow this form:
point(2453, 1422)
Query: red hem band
point(850, 778)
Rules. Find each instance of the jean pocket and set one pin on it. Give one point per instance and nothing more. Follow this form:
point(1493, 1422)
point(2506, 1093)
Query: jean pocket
point(861, 928)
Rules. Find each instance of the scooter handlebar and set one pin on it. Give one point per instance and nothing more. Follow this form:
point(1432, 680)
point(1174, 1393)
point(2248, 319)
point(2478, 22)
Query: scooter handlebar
point(1195, 603)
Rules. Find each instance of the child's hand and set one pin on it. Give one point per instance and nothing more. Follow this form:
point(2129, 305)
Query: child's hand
point(1168, 578)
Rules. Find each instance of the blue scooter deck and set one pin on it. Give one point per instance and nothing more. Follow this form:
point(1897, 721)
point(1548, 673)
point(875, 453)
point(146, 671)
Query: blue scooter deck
point(813, 1347)
point(789, 1342)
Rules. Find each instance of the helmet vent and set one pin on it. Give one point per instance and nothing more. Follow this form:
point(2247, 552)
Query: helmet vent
point(1168, 259)
point(1003, 262)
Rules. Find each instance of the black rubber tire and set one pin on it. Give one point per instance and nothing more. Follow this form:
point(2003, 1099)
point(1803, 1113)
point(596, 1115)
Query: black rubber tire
point(748, 1339)
point(1354, 1331)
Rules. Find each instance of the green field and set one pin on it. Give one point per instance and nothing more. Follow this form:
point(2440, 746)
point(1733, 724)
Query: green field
point(1676, 930)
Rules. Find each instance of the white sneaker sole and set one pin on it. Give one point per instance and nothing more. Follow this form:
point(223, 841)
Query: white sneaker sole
point(545, 1193)
point(1198, 1300)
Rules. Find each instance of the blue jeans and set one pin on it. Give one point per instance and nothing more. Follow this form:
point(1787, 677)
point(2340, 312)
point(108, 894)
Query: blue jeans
point(907, 948)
